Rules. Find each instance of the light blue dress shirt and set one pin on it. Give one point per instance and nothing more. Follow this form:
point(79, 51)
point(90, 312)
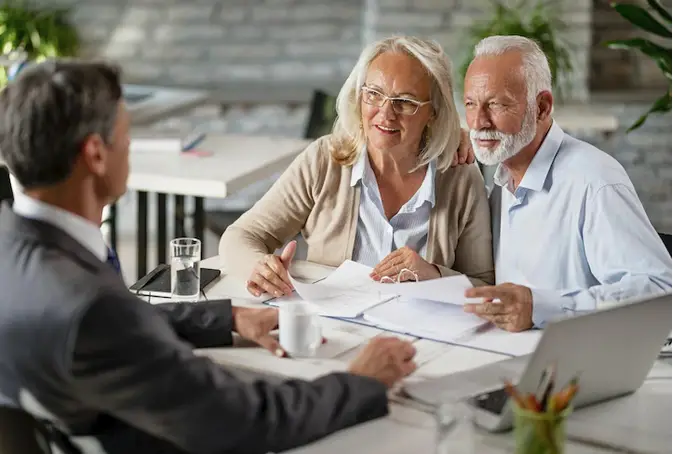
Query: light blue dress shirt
point(376, 237)
point(575, 232)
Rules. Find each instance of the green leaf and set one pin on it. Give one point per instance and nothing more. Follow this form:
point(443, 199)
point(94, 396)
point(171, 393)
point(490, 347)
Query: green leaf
point(654, 4)
point(641, 18)
point(661, 105)
point(644, 45)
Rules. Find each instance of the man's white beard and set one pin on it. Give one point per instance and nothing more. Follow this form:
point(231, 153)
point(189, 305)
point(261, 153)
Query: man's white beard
point(509, 145)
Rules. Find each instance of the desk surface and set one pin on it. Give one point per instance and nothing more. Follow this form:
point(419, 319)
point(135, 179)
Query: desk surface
point(235, 162)
point(643, 418)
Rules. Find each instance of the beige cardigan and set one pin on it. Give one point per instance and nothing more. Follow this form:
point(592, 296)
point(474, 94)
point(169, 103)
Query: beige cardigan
point(314, 196)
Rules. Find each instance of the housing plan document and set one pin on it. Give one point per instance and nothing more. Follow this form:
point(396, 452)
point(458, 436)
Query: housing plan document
point(423, 318)
point(349, 290)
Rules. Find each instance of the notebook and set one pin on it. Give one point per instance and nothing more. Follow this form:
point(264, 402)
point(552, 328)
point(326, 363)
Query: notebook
point(158, 281)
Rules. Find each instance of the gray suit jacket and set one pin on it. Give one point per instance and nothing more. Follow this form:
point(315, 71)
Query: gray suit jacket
point(107, 365)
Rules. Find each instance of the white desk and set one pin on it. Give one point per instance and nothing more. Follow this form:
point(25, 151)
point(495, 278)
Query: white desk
point(236, 162)
point(644, 417)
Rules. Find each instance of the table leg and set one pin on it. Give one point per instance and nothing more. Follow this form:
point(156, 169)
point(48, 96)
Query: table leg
point(179, 216)
point(162, 230)
point(199, 220)
point(142, 234)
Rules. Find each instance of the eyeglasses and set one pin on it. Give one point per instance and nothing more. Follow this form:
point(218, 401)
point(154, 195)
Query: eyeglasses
point(402, 106)
point(401, 277)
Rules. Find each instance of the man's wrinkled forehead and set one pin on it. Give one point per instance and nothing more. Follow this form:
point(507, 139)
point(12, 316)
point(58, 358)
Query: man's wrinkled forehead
point(500, 75)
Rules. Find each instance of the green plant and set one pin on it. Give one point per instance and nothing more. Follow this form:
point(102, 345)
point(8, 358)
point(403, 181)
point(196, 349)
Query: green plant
point(536, 22)
point(660, 27)
point(35, 33)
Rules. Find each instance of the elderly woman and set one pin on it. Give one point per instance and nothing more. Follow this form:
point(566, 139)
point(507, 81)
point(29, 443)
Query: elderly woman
point(380, 190)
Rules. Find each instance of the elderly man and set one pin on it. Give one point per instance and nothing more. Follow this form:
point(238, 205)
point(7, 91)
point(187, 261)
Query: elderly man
point(83, 352)
point(569, 232)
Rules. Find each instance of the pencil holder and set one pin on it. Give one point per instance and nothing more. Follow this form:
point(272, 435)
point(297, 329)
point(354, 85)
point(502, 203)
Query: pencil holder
point(539, 433)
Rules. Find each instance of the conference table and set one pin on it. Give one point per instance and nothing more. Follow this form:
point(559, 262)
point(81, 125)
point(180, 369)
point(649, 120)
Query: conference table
point(640, 422)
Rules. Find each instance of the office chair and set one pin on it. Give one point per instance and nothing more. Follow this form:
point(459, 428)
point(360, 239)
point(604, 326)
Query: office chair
point(20, 433)
point(322, 115)
point(666, 238)
point(5, 186)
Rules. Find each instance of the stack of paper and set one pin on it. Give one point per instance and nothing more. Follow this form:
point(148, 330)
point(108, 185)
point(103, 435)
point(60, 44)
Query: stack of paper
point(424, 318)
point(347, 292)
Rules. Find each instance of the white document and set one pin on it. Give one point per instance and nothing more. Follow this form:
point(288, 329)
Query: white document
point(347, 292)
point(501, 341)
point(423, 318)
point(449, 289)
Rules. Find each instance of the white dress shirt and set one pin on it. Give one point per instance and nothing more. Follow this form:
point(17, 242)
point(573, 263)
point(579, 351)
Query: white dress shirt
point(376, 236)
point(83, 231)
point(575, 232)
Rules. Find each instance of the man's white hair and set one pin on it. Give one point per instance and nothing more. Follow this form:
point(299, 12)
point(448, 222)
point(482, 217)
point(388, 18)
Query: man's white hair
point(535, 64)
point(348, 137)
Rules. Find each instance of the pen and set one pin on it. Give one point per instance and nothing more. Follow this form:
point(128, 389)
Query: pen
point(191, 144)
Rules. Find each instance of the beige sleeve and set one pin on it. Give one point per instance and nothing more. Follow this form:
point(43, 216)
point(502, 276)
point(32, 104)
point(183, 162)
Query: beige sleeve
point(474, 251)
point(277, 217)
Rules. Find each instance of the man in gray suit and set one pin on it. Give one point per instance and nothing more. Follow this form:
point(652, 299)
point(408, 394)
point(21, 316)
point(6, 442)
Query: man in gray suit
point(101, 365)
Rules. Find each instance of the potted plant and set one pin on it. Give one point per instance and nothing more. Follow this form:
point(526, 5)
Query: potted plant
point(34, 34)
point(659, 26)
point(536, 22)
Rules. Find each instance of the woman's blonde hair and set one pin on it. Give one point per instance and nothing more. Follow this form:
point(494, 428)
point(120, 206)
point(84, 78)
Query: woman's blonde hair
point(442, 135)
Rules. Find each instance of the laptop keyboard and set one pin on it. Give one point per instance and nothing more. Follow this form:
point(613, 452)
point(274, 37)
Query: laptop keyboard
point(492, 401)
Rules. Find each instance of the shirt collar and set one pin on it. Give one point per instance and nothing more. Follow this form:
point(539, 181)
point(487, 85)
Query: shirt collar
point(539, 167)
point(83, 231)
point(362, 171)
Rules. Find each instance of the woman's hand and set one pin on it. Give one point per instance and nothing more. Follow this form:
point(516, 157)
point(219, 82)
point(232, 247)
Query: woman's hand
point(404, 257)
point(465, 153)
point(270, 274)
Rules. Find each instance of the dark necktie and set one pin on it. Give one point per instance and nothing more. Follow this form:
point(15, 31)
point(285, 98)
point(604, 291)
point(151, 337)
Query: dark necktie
point(113, 261)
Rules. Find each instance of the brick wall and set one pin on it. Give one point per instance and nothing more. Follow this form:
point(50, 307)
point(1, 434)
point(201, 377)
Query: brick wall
point(213, 43)
point(208, 43)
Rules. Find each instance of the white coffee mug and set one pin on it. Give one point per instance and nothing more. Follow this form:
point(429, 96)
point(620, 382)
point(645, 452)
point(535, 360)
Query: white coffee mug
point(300, 334)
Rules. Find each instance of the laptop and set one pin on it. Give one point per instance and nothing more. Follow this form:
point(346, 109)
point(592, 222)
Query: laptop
point(611, 349)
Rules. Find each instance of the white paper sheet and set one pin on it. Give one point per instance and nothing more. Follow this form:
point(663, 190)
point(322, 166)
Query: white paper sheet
point(347, 292)
point(501, 341)
point(423, 318)
point(449, 289)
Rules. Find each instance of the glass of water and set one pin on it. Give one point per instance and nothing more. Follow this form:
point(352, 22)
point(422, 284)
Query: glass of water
point(185, 269)
point(455, 426)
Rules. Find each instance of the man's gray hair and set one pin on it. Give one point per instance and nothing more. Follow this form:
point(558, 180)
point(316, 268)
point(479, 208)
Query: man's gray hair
point(535, 64)
point(48, 112)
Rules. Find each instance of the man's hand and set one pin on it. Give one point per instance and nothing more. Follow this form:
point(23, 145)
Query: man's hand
point(256, 325)
point(270, 274)
point(514, 311)
point(404, 257)
point(386, 359)
point(465, 153)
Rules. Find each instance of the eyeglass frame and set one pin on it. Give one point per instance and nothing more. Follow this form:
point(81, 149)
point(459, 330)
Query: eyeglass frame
point(387, 98)
point(399, 276)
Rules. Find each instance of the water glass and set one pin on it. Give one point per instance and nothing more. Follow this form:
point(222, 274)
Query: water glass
point(455, 427)
point(185, 269)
